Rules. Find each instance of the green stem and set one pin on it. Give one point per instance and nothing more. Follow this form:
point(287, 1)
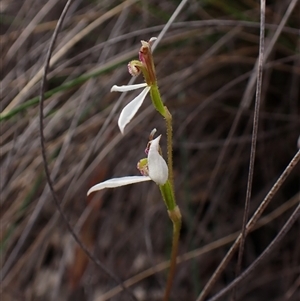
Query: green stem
point(167, 190)
point(156, 100)
point(167, 193)
point(175, 216)
point(168, 118)
point(163, 110)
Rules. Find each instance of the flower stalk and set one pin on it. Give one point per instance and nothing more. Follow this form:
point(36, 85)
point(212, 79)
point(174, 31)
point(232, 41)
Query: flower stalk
point(167, 190)
point(156, 100)
point(153, 168)
point(167, 193)
point(175, 217)
point(168, 118)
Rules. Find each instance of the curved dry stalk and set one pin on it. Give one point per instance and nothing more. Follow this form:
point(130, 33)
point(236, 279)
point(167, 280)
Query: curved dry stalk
point(47, 172)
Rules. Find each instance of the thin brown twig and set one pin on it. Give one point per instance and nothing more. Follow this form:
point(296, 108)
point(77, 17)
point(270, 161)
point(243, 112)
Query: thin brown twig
point(254, 138)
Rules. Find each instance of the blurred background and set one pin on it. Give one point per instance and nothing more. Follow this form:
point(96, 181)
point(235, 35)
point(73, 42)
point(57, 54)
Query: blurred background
point(204, 64)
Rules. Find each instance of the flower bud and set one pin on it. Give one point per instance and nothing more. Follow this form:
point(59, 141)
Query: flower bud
point(145, 56)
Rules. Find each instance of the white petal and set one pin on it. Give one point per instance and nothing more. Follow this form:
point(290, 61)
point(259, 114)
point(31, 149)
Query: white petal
point(153, 39)
point(126, 88)
point(130, 110)
point(117, 182)
point(158, 168)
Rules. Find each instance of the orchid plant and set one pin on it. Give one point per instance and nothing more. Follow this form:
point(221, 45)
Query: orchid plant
point(154, 167)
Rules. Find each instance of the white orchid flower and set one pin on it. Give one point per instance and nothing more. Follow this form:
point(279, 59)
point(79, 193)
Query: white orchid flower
point(131, 108)
point(144, 65)
point(157, 171)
